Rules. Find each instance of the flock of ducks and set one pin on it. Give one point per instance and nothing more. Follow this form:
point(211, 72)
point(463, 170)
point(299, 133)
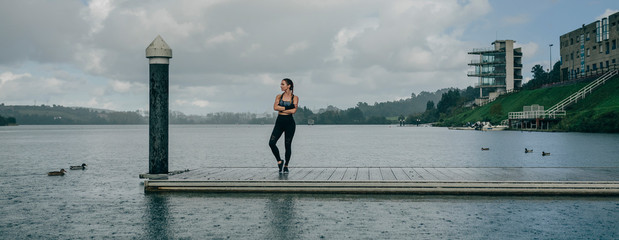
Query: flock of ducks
point(526, 150)
point(62, 171)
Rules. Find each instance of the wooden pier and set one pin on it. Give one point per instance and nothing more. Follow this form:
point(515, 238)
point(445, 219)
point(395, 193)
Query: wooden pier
point(397, 180)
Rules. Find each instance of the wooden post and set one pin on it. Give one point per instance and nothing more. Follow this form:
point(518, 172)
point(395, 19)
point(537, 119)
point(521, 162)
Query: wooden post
point(158, 54)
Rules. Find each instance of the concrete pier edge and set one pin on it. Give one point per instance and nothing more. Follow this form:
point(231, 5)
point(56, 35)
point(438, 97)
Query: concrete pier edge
point(515, 188)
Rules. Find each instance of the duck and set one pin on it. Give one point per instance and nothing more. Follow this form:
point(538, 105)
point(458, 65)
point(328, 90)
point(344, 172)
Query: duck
point(545, 153)
point(528, 150)
point(82, 167)
point(57, 173)
point(485, 149)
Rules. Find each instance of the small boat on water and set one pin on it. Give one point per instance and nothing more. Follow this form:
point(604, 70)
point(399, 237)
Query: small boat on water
point(482, 126)
point(461, 128)
point(494, 128)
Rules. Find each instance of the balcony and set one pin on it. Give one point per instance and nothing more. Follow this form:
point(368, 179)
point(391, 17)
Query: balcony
point(486, 85)
point(484, 50)
point(486, 74)
point(486, 62)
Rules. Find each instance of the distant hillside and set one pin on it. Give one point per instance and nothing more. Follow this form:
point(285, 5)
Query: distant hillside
point(598, 112)
point(414, 104)
point(363, 113)
point(52, 115)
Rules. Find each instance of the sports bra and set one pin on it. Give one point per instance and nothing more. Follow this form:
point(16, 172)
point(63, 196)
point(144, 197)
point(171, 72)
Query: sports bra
point(285, 103)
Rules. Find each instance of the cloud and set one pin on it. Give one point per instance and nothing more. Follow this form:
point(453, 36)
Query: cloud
point(230, 36)
point(13, 86)
point(120, 86)
point(516, 19)
point(90, 58)
point(297, 47)
point(340, 46)
point(607, 13)
point(5, 77)
point(194, 102)
point(231, 55)
point(528, 49)
point(96, 13)
point(200, 103)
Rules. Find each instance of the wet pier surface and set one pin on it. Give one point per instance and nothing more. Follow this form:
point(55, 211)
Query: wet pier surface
point(405, 180)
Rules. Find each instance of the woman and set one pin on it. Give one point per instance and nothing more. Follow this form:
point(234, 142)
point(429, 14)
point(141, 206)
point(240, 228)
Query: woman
point(286, 105)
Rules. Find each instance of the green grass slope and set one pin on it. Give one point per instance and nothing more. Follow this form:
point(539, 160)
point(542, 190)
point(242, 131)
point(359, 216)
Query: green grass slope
point(598, 112)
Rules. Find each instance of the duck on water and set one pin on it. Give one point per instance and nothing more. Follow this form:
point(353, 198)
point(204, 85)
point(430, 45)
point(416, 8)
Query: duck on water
point(81, 167)
point(57, 173)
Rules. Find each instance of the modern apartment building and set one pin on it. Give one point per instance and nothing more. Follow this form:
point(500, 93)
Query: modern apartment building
point(590, 50)
point(498, 69)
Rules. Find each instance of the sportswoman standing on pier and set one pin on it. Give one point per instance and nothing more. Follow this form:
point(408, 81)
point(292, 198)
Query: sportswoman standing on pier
point(286, 105)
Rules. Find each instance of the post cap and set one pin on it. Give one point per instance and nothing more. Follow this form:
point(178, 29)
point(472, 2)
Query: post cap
point(158, 49)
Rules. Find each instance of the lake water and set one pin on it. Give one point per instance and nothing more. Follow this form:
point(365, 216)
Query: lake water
point(107, 200)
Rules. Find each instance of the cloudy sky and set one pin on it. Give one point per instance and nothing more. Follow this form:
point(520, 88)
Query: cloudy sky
point(231, 55)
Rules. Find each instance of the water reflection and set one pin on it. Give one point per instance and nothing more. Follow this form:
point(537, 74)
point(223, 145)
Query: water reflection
point(281, 211)
point(157, 216)
point(283, 177)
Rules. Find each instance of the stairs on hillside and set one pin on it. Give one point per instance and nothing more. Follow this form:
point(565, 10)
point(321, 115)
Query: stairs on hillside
point(581, 94)
point(558, 110)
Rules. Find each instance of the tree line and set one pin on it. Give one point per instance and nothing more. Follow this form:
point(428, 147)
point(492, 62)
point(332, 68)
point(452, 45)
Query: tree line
point(419, 106)
point(59, 115)
point(542, 77)
point(5, 121)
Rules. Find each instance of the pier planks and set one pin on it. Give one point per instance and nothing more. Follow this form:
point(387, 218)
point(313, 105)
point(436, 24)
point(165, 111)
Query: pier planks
point(507, 180)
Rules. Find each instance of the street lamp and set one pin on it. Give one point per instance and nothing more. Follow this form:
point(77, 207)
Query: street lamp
point(550, 63)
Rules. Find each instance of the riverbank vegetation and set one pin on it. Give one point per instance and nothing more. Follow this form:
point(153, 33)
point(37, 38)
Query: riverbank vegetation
point(598, 112)
point(7, 121)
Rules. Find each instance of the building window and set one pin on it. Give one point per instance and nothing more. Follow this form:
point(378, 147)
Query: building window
point(588, 52)
point(595, 67)
point(587, 68)
point(601, 50)
point(572, 56)
point(587, 36)
point(607, 65)
point(571, 41)
point(614, 44)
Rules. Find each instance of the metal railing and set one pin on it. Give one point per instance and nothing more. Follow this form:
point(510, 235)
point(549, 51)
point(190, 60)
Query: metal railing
point(558, 110)
point(582, 93)
point(488, 49)
point(536, 114)
point(479, 62)
point(484, 74)
point(590, 73)
point(485, 101)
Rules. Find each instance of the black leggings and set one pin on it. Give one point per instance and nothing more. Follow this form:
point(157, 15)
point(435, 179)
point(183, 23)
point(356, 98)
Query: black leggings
point(284, 123)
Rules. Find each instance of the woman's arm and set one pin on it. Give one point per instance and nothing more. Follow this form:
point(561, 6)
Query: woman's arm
point(276, 105)
point(295, 101)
